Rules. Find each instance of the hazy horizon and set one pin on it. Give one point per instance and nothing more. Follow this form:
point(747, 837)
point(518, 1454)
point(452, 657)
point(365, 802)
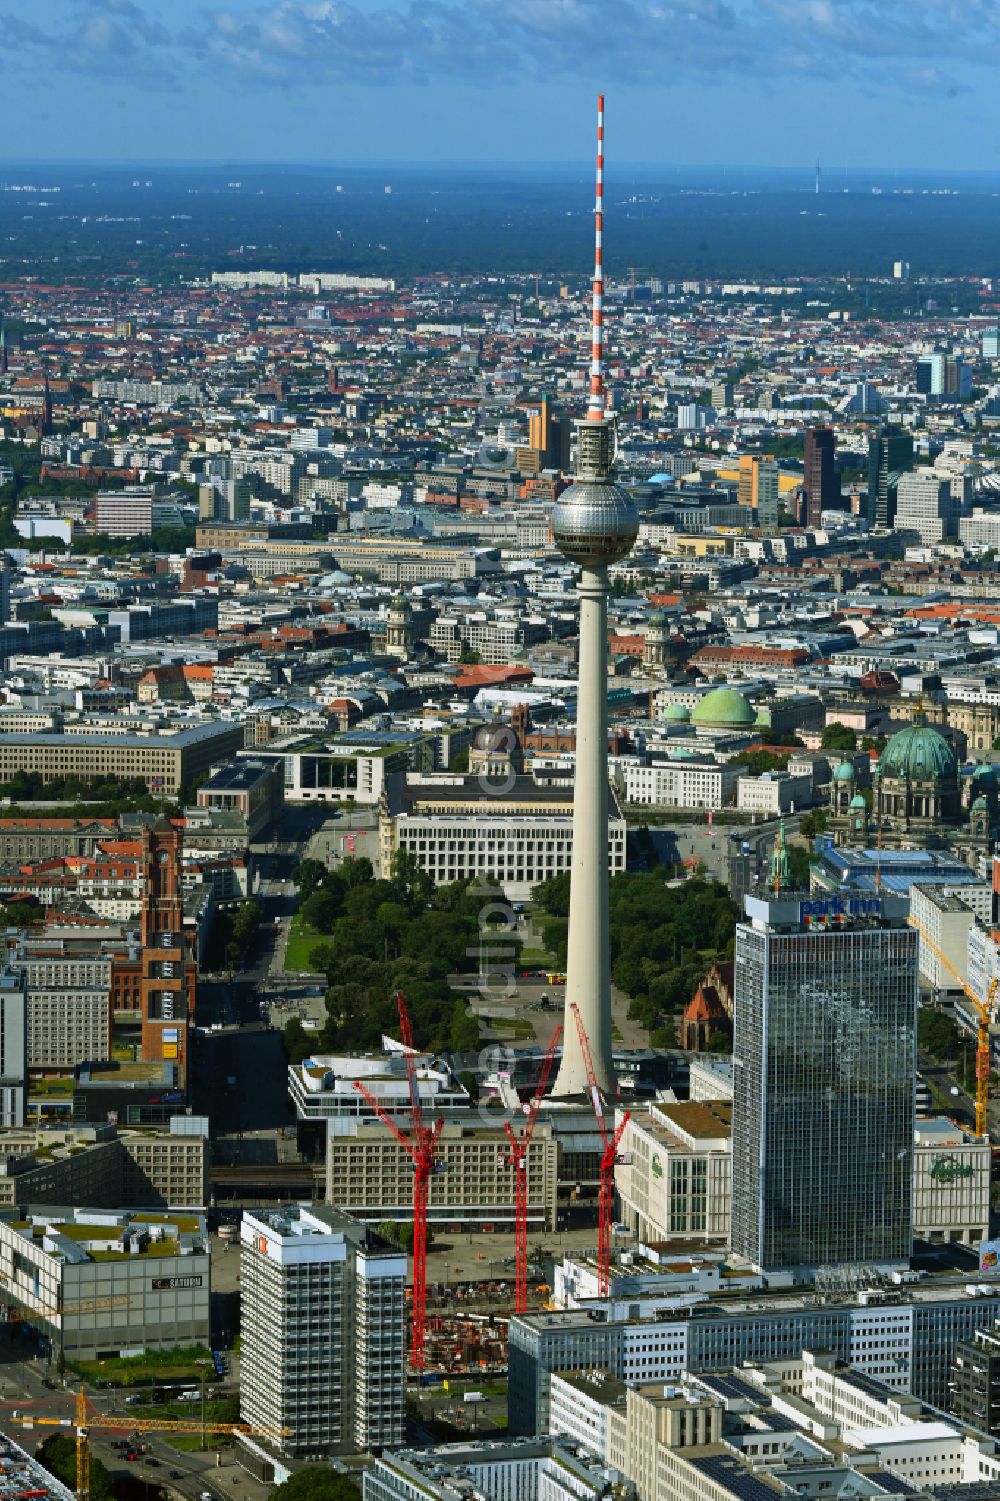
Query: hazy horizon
point(867, 82)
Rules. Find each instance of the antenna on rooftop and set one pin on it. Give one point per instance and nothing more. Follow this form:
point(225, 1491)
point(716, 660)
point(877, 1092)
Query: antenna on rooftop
point(596, 408)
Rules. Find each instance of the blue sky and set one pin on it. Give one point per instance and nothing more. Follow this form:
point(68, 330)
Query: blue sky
point(771, 82)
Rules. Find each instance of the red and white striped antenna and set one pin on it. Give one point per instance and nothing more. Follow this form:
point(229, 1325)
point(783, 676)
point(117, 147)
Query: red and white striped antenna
point(596, 409)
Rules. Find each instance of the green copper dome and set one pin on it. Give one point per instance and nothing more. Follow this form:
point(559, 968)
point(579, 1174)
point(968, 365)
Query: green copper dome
point(724, 708)
point(657, 619)
point(677, 713)
point(844, 773)
point(857, 801)
point(919, 754)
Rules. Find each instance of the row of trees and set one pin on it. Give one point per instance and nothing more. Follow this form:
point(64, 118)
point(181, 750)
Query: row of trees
point(381, 936)
point(663, 938)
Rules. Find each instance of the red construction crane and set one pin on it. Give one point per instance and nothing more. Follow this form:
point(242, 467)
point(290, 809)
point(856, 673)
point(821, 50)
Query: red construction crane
point(420, 1145)
point(518, 1160)
point(609, 1144)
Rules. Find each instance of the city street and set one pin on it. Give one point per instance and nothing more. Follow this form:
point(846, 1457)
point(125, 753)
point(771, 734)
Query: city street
point(185, 1473)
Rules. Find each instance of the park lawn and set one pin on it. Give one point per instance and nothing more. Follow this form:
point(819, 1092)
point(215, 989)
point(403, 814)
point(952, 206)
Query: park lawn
point(516, 1031)
point(187, 1363)
point(302, 939)
point(530, 954)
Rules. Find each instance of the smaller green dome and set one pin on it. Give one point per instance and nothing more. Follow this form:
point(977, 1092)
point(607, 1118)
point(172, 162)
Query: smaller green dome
point(845, 772)
point(857, 801)
point(984, 772)
point(657, 619)
point(677, 713)
point(724, 708)
point(979, 804)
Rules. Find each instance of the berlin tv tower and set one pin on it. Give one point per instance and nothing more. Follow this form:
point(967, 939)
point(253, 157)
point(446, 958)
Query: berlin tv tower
point(594, 524)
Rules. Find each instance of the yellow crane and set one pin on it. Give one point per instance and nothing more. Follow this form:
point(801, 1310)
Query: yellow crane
point(984, 1010)
point(83, 1422)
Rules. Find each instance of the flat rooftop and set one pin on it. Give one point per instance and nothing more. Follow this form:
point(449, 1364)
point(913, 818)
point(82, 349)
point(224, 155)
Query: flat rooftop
point(702, 1120)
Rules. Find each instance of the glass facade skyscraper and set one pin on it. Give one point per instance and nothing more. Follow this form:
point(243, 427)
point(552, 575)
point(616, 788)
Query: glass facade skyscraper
point(824, 1056)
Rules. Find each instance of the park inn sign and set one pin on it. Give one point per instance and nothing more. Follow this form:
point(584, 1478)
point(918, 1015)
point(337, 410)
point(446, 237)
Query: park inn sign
point(826, 907)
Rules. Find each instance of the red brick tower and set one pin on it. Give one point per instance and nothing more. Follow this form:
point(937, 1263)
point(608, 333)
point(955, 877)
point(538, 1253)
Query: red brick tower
point(167, 983)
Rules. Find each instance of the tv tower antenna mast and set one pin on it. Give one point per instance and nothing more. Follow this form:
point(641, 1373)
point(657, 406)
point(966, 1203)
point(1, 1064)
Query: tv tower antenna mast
point(594, 524)
point(819, 177)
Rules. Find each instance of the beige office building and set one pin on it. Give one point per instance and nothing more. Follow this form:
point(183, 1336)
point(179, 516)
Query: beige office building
point(95, 1165)
point(674, 1176)
point(369, 1175)
point(951, 1183)
point(165, 762)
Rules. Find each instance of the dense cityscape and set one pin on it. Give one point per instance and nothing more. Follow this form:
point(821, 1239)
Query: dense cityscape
point(500, 872)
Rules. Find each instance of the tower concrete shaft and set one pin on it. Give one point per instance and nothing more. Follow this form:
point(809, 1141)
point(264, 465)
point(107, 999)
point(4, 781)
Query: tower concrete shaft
point(594, 524)
point(588, 983)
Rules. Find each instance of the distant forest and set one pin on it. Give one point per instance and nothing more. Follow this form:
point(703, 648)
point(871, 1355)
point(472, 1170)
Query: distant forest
point(187, 223)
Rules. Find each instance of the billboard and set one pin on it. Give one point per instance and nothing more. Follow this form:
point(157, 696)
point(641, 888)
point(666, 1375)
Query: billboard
point(989, 1256)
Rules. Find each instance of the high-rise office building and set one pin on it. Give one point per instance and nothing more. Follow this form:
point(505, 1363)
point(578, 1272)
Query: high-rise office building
point(824, 1038)
point(941, 374)
point(759, 488)
point(925, 504)
point(540, 426)
point(594, 524)
point(930, 374)
point(820, 484)
point(991, 344)
point(890, 454)
point(13, 1047)
point(224, 500)
point(957, 378)
point(549, 436)
point(322, 1331)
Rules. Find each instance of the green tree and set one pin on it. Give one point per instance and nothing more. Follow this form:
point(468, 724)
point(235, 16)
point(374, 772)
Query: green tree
point(58, 1455)
point(838, 737)
point(799, 862)
point(322, 908)
point(297, 1042)
point(309, 874)
point(317, 1483)
point(816, 821)
point(938, 1034)
point(410, 876)
point(397, 1233)
point(759, 761)
point(246, 924)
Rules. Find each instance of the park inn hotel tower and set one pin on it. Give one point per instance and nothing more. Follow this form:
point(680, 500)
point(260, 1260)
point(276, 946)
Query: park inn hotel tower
point(824, 1060)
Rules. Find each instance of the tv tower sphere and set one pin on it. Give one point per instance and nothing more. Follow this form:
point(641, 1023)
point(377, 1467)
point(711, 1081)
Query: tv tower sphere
point(595, 521)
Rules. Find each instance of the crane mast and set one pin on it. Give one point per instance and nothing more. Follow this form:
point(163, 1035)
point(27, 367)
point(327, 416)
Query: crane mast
point(609, 1146)
point(420, 1145)
point(518, 1160)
